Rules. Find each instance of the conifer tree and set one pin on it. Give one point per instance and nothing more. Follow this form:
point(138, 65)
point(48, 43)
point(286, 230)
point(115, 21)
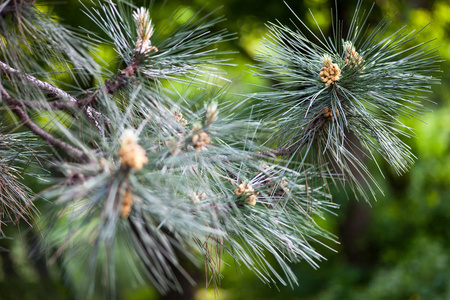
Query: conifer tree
point(139, 175)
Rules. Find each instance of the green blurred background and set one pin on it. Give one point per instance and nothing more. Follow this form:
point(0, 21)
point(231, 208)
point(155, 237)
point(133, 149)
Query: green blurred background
point(394, 248)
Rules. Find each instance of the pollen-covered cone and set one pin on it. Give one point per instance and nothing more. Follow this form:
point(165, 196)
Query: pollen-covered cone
point(131, 153)
point(330, 72)
point(248, 192)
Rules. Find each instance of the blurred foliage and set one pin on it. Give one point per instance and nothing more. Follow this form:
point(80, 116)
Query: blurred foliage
point(395, 249)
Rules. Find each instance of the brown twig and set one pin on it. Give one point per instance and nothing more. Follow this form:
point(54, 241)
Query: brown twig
point(47, 137)
point(55, 92)
point(41, 105)
point(52, 90)
point(17, 105)
point(111, 86)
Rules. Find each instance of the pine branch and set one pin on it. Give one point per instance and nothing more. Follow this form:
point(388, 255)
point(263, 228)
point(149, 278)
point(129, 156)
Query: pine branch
point(360, 85)
point(182, 175)
point(47, 137)
point(55, 105)
point(52, 90)
point(120, 80)
point(55, 92)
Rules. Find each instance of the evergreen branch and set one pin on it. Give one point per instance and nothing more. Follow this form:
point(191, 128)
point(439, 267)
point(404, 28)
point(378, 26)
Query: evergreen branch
point(46, 106)
point(47, 137)
point(360, 85)
point(52, 90)
point(182, 54)
point(55, 92)
point(195, 179)
point(111, 86)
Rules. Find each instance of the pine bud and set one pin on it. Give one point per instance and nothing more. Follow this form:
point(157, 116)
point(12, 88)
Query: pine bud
point(352, 58)
point(179, 117)
point(330, 72)
point(195, 198)
point(283, 184)
point(211, 113)
point(196, 127)
point(144, 31)
point(251, 200)
point(131, 153)
point(127, 204)
point(247, 191)
point(329, 114)
point(199, 141)
point(175, 146)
